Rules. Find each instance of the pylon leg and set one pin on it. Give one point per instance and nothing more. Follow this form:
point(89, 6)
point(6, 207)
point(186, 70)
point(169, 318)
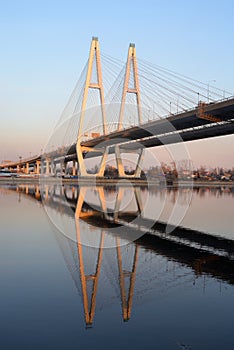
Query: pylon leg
point(81, 163)
point(118, 201)
point(102, 166)
point(80, 201)
point(119, 162)
point(102, 200)
point(139, 163)
point(126, 295)
point(89, 305)
point(137, 193)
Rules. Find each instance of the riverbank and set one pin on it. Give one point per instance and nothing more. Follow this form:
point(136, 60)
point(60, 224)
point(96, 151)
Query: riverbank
point(122, 182)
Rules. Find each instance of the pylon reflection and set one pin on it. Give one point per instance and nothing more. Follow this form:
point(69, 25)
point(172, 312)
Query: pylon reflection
point(125, 293)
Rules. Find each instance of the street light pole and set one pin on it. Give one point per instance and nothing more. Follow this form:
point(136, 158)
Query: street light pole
point(20, 159)
point(208, 89)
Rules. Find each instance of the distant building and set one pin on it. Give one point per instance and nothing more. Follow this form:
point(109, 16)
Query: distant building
point(6, 161)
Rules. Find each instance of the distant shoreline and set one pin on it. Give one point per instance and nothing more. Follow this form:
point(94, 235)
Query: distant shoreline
point(124, 182)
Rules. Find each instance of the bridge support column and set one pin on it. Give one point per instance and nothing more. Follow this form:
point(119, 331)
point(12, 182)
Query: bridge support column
point(74, 171)
point(65, 168)
point(61, 167)
point(47, 166)
point(42, 167)
point(119, 162)
point(38, 162)
point(27, 168)
point(81, 164)
point(52, 167)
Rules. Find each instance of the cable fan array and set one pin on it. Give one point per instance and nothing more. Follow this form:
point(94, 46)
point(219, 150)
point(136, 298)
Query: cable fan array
point(162, 92)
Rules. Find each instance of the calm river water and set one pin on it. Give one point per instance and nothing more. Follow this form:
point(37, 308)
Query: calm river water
point(116, 267)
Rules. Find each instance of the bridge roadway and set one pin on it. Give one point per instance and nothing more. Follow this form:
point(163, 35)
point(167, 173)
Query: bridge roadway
point(216, 119)
point(31, 160)
point(186, 126)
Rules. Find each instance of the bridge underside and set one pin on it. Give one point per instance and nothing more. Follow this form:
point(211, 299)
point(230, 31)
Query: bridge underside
point(218, 120)
point(175, 129)
point(191, 134)
point(222, 112)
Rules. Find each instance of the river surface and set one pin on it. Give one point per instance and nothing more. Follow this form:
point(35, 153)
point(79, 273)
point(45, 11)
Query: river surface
point(116, 267)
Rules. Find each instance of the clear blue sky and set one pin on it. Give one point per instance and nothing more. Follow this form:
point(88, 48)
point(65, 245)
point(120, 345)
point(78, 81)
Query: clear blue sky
point(45, 44)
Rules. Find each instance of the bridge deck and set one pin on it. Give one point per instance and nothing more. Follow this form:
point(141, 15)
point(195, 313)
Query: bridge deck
point(186, 126)
point(222, 110)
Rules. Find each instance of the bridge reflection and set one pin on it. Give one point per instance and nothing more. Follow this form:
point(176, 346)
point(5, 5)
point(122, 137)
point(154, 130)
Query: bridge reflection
point(135, 272)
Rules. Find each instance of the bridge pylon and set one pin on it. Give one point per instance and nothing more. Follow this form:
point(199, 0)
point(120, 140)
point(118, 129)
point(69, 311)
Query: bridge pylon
point(94, 57)
point(103, 151)
point(131, 64)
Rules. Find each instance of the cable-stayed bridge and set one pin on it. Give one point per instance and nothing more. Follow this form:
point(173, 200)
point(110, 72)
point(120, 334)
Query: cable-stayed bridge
point(118, 108)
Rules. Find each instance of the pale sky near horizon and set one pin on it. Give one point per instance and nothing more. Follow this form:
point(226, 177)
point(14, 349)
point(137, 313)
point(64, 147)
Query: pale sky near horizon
point(45, 44)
